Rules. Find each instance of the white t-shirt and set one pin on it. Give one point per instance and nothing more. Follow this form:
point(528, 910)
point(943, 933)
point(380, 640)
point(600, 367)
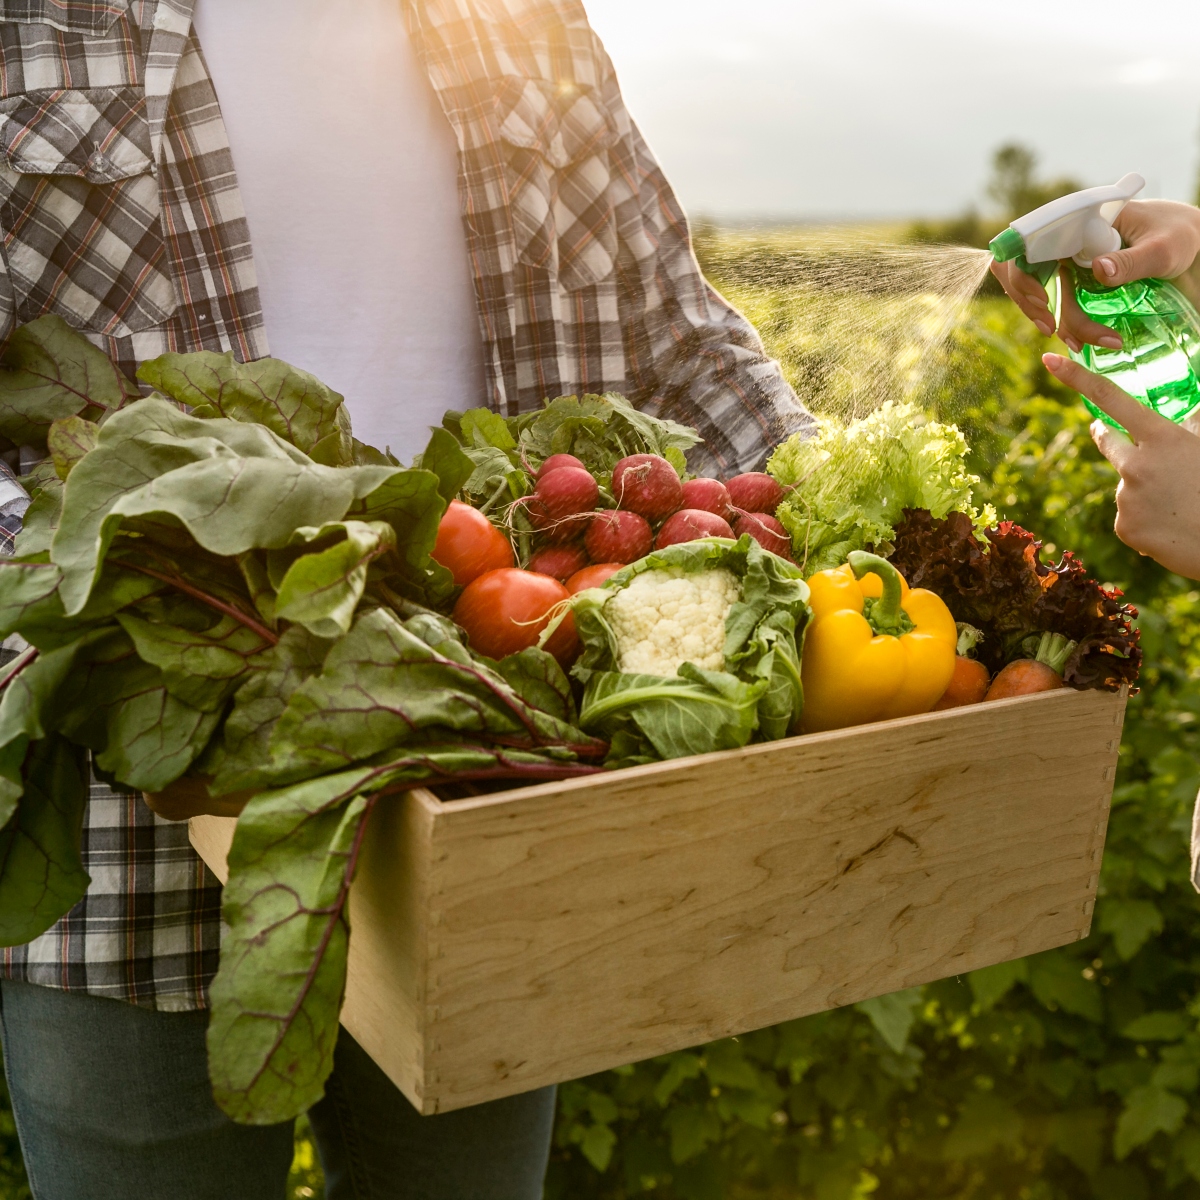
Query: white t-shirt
point(348, 171)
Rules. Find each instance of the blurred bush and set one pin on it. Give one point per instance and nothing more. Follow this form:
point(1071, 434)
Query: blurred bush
point(1071, 1075)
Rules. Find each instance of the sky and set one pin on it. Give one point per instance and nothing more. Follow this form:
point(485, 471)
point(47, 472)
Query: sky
point(795, 109)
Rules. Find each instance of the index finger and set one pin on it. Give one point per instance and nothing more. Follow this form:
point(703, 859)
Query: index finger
point(1139, 421)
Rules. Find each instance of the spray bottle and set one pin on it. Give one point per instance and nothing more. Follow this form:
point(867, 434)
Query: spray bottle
point(1159, 360)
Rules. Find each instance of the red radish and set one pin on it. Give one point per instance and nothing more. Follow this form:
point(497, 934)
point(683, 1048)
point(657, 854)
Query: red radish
point(591, 577)
point(648, 485)
point(689, 524)
point(559, 460)
point(755, 491)
point(562, 503)
point(557, 532)
point(710, 495)
point(621, 537)
point(567, 491)
point(766, 531)
point(560, 562)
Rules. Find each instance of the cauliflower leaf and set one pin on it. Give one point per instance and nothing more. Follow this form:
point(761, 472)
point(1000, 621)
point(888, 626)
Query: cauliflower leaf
point(691, 649)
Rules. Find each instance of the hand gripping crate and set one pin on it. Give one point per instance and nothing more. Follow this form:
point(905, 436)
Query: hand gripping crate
point(512, 940)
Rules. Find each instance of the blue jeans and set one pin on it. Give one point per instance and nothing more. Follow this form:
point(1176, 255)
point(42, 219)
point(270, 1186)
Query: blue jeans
point(113, 1102)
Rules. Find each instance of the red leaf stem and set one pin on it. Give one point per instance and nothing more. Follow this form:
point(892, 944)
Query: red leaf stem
point(19, 664)
point(334, 913)
point(230, 610)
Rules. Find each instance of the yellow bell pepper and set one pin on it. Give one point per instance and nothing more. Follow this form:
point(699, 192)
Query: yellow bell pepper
point(875, 648)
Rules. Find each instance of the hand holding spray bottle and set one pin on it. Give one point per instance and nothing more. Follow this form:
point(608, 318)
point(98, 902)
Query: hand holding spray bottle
point(1159, 360)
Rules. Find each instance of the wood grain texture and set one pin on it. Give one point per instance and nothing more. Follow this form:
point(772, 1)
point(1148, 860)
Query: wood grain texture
point(538, 935)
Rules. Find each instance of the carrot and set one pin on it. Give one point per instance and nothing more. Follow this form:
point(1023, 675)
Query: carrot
point(1023, 678)
point(968, 684)
point(1026, 676)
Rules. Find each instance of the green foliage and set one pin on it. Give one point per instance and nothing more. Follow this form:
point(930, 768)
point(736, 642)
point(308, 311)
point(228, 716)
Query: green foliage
point(1071, 1075)
point(851, 482)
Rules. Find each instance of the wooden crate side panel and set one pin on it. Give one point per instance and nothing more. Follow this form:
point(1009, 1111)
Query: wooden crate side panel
point(657, 909)
point(211, 838)
point(388, 962)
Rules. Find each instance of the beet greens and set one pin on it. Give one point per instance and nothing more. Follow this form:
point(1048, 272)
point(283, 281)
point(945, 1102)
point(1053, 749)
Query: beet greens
point(239, 592)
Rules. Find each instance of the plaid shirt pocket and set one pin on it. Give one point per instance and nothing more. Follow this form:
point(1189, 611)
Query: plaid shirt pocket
point(80, 210)
point(91, 17)
point(556, 137)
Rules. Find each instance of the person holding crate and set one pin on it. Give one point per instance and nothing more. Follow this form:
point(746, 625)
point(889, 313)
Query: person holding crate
point(428, 204)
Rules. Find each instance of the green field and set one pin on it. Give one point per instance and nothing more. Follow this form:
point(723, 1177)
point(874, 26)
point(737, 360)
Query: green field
point(1063, 1077)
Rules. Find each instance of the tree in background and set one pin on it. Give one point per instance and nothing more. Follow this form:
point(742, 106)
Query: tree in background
point(1015, 189)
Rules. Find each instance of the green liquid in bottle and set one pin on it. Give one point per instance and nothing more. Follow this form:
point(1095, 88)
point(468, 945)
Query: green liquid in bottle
point(1159, 362)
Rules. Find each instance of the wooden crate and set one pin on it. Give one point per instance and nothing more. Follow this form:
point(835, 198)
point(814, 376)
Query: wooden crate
point(513, 940)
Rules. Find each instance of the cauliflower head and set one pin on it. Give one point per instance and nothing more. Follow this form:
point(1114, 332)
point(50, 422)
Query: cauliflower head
point(666, 617)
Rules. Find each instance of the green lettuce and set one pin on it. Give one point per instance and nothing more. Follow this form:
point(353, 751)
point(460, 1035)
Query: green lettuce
point(849, 485)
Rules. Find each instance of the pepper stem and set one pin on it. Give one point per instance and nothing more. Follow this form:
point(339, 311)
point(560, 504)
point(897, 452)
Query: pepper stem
point(884, 614)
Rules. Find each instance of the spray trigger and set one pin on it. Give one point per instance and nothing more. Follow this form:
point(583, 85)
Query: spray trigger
point(1078, 226)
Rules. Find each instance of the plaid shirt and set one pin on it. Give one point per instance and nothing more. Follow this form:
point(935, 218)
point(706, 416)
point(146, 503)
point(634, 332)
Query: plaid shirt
point(120, 211)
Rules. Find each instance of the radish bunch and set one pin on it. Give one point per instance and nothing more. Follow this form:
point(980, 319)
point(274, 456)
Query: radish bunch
point(654, 509)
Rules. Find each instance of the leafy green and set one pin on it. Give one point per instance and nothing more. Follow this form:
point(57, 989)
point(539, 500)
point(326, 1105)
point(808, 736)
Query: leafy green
point(232, 487)
point(261, 700)
point(598, 430)
point(68, 440)
point(693, 713)
point(41, 875)
point(236, 592)
point(41, 519)
point(294, 405)
point(321, 589)
point(391, 683)
point(849, 485)
point(445, 458)
point(49, 373)
point(278, 992)
point(758, 694)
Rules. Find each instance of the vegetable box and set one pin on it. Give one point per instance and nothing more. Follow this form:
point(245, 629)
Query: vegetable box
point(508, 941)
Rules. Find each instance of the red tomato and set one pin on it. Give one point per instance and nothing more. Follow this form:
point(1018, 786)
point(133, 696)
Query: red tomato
point(468, 544)
point(593, 576)
point(502, 613)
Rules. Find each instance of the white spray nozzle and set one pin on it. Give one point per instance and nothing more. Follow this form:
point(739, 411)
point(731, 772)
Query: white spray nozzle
point(1077, 226)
